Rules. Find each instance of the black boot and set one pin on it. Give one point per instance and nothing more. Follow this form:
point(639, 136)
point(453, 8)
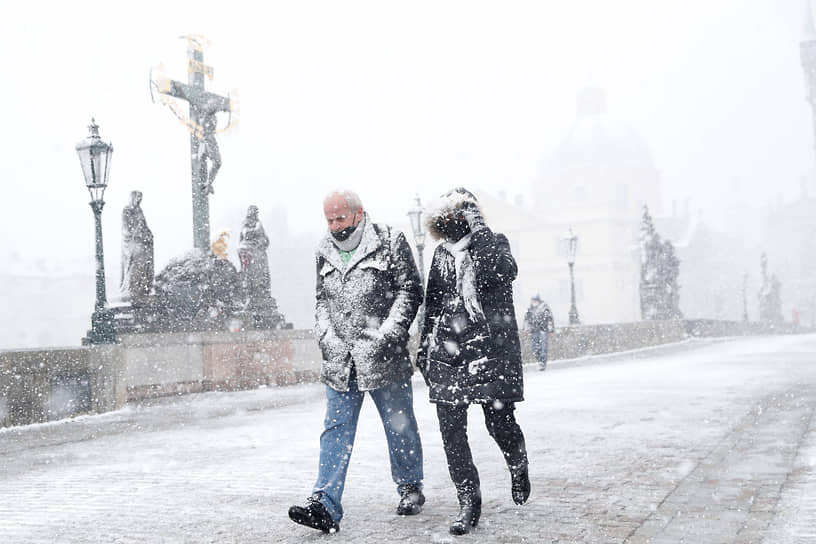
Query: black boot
point(520, 484)
point(314, 515)
point(470, 508)
point(411, 501)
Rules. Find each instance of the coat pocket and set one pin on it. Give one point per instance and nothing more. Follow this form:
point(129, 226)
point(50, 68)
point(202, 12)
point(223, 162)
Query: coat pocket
point(443, 374)
point(375, 264)
point(476, 372)
point(333, 349)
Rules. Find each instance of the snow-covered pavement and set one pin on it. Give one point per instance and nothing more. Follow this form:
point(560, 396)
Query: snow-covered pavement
point(703, 442)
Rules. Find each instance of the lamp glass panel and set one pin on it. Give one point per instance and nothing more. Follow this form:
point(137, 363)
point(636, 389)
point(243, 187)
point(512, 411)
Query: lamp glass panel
point(106, 169)
point(98, 166)
point(85, 161)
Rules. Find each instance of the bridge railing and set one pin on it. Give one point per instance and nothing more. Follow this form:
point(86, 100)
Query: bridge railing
point(38, 385)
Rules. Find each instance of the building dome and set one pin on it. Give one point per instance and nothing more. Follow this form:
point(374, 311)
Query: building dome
point(595, 139)
point(602, 167)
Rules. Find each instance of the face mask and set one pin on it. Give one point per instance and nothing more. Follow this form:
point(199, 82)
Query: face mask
point(342, 235)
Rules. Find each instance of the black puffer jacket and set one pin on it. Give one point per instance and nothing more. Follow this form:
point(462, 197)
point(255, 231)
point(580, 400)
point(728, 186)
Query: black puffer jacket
point(467, 360)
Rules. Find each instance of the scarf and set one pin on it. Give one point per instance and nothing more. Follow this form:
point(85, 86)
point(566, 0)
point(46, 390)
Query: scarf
point(466, 277)
point(351, 243)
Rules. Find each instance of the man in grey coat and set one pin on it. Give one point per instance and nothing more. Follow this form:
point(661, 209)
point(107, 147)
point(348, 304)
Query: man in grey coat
point(368, 293)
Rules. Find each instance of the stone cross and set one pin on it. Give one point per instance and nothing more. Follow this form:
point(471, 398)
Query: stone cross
point(202, 123)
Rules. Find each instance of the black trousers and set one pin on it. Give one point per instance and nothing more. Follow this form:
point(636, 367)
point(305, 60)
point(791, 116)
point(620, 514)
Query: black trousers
point(501, 424)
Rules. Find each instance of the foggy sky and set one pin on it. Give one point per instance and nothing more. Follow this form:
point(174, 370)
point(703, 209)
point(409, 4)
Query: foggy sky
point(390, 99)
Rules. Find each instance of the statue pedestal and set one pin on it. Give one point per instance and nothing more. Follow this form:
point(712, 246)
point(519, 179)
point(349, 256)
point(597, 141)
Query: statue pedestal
point(261, 314)
point(166, 364)
point(195, 293)
point(132, 317)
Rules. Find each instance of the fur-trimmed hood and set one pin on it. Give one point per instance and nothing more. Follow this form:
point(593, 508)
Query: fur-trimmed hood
point(446, 204)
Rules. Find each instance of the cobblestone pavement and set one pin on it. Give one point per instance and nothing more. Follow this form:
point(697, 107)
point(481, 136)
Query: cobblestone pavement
point(703, 442)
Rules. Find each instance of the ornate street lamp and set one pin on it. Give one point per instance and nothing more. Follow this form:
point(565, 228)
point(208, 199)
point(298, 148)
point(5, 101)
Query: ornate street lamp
point(572, 247)
point(94, 156)
point(415, 215)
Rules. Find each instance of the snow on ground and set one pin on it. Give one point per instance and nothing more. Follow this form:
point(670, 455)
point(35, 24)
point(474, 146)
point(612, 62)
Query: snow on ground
point(702, 441)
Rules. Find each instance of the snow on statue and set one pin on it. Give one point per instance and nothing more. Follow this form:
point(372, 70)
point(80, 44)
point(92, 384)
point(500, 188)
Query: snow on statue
point(137, 252)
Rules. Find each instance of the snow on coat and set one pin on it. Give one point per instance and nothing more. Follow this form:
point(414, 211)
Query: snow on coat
point(465, 359)
point(364, 309)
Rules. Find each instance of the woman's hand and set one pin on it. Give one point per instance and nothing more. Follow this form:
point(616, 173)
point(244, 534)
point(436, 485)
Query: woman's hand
point(473, 216)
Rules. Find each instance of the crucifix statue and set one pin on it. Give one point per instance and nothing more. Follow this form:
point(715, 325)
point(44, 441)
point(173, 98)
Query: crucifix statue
point(202, 123)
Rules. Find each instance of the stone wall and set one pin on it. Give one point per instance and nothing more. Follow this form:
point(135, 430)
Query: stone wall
point(32, 382)
point(161, 364)
point(43, 385)
point(571, 342)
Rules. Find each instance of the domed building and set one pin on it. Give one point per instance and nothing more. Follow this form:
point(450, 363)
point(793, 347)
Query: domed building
point(596, 184)
point(602, 165)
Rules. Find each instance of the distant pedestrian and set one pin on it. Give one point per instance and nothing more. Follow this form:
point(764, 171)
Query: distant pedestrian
point(469, 352)
point(540, 323)
point(368, 293)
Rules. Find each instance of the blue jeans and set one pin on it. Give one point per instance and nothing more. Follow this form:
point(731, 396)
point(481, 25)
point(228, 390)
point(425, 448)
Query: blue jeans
point(395, 402)
point(540, 339)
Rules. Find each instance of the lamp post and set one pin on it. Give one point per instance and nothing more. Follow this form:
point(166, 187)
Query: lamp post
point(94, 156)
point(745, 296)
point(572, 248)
point(415, 215)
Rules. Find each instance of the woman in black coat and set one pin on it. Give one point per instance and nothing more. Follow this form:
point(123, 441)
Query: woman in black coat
point(469, 352)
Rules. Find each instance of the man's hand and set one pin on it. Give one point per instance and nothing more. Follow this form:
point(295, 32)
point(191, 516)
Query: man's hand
point(375, 336)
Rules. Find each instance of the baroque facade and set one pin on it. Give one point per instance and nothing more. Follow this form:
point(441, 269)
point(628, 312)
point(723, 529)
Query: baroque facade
point(596, 183)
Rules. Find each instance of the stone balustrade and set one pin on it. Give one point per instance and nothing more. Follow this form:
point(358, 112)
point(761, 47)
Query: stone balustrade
point(38, 385)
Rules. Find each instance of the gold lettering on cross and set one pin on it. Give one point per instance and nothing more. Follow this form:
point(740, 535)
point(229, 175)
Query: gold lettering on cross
point(194, 66)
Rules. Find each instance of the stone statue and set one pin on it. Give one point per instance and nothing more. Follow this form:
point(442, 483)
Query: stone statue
point(137, 252)
point(252, 246)
point(208, 146)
